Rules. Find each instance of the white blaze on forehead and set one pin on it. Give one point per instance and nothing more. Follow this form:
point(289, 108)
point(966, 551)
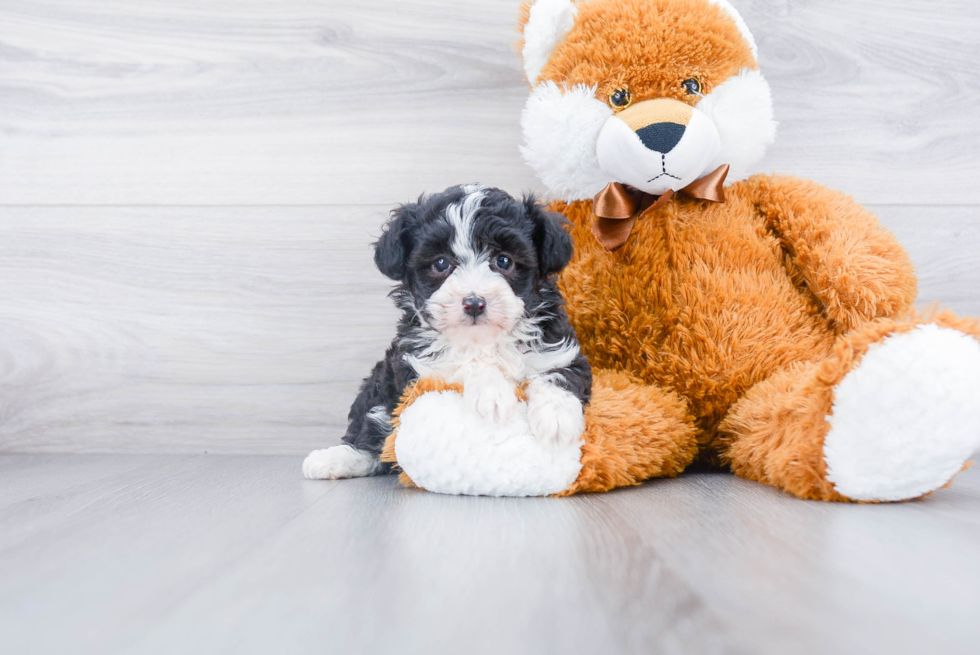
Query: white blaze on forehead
point(460, 215)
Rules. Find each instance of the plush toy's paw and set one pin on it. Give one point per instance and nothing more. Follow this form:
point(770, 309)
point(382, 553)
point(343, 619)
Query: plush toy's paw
point(490, 394)
point(555, 415)
point(339, 462)
point(907, 417)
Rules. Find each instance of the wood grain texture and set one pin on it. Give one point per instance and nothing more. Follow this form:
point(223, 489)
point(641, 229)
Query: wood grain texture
point(240, 554)
point(241, 330)
point(181, 329)
point(291, 102)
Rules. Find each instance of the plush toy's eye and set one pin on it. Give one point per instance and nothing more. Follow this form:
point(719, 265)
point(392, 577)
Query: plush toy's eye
point(441, 266)
point(503, 262)
point(620, 99)
point(692, 86)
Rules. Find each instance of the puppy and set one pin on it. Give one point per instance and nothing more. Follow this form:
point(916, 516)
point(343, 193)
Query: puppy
point(475, 271)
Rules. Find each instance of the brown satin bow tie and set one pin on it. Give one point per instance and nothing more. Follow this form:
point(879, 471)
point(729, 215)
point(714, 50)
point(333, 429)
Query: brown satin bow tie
point(618, 206)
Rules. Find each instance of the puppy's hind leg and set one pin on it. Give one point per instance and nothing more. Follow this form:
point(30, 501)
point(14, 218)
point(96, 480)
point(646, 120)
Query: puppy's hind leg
point(358, 456)
point(338, 462)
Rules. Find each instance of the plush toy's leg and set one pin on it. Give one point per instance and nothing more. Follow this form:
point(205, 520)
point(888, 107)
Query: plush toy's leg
point(633, 432)
point(892, 414)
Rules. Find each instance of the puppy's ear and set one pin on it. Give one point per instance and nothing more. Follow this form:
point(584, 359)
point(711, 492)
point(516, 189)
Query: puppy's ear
point(392, 250)
point(552, 242)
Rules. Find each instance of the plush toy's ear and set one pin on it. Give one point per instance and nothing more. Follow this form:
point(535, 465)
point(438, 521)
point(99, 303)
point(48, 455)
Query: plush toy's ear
point(392, 250)
point(552, 243)
point(544, 23)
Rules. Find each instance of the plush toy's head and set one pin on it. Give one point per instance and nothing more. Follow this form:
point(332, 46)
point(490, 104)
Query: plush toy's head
point(654, 94)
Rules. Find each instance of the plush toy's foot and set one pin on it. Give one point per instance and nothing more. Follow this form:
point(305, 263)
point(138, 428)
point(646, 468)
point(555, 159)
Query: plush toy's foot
point(446, 445)
point(892, 415)
point(633, 432)
point(907, 417)
point(339, 462)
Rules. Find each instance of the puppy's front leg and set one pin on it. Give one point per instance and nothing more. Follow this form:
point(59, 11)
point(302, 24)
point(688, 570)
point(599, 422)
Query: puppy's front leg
point(486, 390)
point(555, 414)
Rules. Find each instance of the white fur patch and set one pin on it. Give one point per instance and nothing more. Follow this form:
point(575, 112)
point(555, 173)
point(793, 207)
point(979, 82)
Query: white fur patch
point(460, 215)
point(624, 157)
point(548, 23)
point(379, 416)
point(338, 462)
point(446, 447)
point(551, 357)
point(740, 22)
point(561, 129)
point(487, 391)
point(907, 417)
point(741, 109)
point(503, 310)
point(554, 414)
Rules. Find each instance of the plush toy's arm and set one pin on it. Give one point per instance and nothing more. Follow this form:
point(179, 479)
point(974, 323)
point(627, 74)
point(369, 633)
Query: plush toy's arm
point(834, 246)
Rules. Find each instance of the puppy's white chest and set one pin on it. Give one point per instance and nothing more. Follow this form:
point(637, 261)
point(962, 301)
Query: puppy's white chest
point(446, 446)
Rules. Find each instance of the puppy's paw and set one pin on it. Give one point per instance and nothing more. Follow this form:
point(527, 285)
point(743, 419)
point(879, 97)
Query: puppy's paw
point(555, 415)
point(338, 462)
point(491, 395)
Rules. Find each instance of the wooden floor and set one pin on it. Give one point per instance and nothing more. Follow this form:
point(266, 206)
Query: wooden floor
point(239, 554)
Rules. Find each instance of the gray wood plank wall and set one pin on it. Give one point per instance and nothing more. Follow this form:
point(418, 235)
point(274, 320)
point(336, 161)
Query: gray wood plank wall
point(188, 190)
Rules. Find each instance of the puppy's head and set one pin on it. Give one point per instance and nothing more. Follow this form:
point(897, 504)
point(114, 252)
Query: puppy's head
point(471, 260)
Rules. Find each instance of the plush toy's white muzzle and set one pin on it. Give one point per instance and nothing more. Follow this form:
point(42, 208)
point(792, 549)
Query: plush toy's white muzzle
point(658, 145)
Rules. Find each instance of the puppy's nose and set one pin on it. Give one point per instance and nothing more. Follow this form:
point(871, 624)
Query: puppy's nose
point(474, 305)
point(659, 123)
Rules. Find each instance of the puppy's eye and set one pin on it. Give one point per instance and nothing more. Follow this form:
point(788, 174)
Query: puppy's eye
point(620, 99)
point(503, 262)
point(441, 266)
point(692, 86)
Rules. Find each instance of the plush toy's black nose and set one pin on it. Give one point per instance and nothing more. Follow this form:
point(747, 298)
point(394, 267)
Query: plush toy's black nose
point(662, 137)
point(474, 305)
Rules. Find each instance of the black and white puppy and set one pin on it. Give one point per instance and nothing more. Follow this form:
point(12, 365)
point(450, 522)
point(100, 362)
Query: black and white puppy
point(476, 284)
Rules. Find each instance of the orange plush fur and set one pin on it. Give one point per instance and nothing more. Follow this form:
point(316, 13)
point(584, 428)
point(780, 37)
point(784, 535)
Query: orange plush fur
point(741, 316)
point(649, 56)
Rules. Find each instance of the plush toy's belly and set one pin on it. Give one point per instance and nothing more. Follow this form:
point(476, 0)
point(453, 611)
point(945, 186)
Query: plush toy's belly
point(699, 301)
point(446, 447)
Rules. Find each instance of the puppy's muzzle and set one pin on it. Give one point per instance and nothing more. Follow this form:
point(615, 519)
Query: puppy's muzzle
point(657, 145)
point(474, 305)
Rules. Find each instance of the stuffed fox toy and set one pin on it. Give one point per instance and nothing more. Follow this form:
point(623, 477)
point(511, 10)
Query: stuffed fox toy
point(760, 323)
